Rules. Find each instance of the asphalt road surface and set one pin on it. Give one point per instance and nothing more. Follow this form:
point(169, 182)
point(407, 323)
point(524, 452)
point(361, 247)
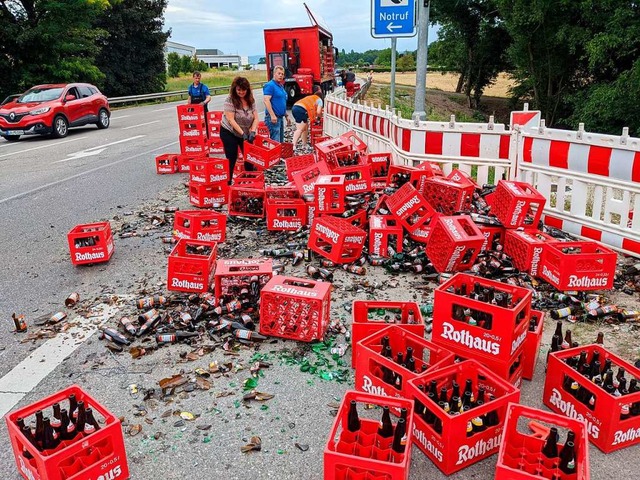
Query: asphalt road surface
point(48, 186)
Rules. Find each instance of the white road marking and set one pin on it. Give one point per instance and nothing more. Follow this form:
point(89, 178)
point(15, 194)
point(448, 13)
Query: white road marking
point(140, 125)
point(26, 376)
point(95, 150)
point(42, 146)
point(118, 118)
point(163, 109)
point(107, 165)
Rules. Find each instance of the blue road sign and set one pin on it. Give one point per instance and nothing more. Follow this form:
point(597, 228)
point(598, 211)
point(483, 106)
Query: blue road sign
point(393, 18)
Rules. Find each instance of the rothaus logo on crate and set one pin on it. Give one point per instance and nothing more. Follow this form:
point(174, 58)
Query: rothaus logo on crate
point(457, 253)
point(535, 260)
point(186, 118)
point(218, 178)
point(517, 211)
point(451, 226)
point(327, 232)
point(587, 281)
point(628, 435)
point(177, 283)
point(358, 186)
point(192, 133)
point(209, 237)
point(567, 408)
point(322, 192)
point(518, 341)
point(549, 275)
point(28, 473)
point(369, 387)
point(254, 159)
point(355, 239)
point(486, 236)
point(242, 262)
point(377, 243)
point(195, 149)
point(469, 340)
point(466, 453)
point(430, 443)
point(412, 202)
point(295, 291)
point(198, 178)
point(277, 223)
point(112, 474)
point(83, 257)
point(207, 200)
point(378, 158)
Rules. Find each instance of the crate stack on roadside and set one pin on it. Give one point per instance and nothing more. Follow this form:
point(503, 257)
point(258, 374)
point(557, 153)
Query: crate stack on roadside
point(193, 137)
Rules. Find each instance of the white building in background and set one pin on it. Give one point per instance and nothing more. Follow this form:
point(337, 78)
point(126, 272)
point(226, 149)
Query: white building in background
point(216, 58)
point(179, 48)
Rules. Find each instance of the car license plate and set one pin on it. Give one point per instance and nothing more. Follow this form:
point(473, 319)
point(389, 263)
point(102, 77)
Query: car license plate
point(15, 132)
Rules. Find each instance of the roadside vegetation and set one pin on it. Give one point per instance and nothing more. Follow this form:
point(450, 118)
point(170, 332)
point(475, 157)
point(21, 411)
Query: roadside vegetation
point(215, 78)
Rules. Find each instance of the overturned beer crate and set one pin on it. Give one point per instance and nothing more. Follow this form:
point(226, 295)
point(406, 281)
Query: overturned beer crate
point(336, 239)
point(306, 178)
point(517, 204)
point(191, 266)
point(453, 442)
point(520, 456)
point(409, 207)
point(380, 163)
point(385, 235)
point(454, 243)
point(100, 454)
point(612, 421)
point(364, 454)
point(525, 247)
point(532, 344)
point(383, 375)
point(295, 308)
point(580, 265)
point(202, 225)
point(297, 163)
point(448, 196)
point(90, 243)
point(330, 193)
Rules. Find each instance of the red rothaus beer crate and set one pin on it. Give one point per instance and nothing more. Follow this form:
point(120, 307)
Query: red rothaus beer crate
point(525, 247)
point(357, 178)
point(207, 195)
point(493, 236)
point(380, 163)
point(463, 178)
point(286, 150)
point(215, 146)
point(90, 243)
point(209, 171)
point(448, 196)
point(190, 113)
point(532, 344)
point(358, 219)
point(517, 204)
point(191, 265)
point(423, 233)
point(613, 422)
point(194, 146)
point(399, 175)
point(263, 129)
point(295, 308)
point(246, 202)
point(433, 169)
point(454, 243)
point(316, 140)
point(384, 232)
point(370, 317)
point(249, 180)
point(214, 120)
point(453, 442)
point(383, 375)
point(336, 239)
point(328, 149)
point(234, 274)
point(298, 162)
point(282, 192)
point(409, 207)
point(580, 265)
point(193, 130)
point(167, 163)
point(480, 317)
point(520, 456)
point(358, 145)
point(184, 161)
point(363, 453)
point(329, 193)
point(306, 178)
point(98, 455)
point(311, 212)
point(263, 153)
point(286, 214)
point(202, 225)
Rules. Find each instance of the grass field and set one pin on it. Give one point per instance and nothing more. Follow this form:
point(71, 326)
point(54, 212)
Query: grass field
point(215, 78)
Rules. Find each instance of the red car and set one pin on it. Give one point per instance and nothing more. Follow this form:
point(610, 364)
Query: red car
point(53, 109)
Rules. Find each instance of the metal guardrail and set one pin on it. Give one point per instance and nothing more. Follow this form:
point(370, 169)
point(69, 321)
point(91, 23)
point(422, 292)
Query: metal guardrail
point(164, 95)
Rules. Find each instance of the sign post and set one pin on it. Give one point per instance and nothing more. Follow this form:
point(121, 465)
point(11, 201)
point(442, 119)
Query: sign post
point(393, 18)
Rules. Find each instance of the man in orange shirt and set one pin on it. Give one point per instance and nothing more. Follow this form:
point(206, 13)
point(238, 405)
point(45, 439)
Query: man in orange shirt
point(307, 109)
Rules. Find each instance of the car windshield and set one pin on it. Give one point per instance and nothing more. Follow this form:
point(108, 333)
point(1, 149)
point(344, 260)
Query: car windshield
point(40, 95)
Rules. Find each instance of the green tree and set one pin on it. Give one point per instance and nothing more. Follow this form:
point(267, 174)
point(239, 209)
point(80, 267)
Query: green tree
point(132, 53)
point(384, 57)
point(186, 64)
point(173, 64)
point(473, 32)
point(406, 62)
point(44, 41)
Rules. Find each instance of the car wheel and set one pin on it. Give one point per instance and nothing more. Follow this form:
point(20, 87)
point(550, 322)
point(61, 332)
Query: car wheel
point(60, 127)
point(103, 119)
point(12, 138)
point(292, 93)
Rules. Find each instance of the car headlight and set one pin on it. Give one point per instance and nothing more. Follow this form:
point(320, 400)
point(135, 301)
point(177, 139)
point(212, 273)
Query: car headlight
point(39, 111)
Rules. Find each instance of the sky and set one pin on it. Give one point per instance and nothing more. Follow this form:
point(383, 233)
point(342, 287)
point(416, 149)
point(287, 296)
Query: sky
point(236, 27)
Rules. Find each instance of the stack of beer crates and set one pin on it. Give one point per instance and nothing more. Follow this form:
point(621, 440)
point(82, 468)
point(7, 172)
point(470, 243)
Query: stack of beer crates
point(193, 134)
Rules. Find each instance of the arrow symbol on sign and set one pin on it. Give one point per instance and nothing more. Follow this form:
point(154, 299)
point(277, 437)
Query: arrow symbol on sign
point(391, 27)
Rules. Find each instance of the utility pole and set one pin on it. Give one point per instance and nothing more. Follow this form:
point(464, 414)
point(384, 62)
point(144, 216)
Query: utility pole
point(392, 93)
point(419, 109)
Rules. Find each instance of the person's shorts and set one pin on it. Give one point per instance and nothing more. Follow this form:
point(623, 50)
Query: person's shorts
point(299, 114)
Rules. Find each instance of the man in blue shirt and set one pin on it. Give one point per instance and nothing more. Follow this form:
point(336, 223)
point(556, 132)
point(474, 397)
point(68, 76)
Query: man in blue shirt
point(275, 102)
point(199, 92)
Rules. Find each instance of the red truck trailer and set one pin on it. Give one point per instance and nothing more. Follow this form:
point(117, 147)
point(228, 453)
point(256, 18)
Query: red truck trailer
point(307, 55)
